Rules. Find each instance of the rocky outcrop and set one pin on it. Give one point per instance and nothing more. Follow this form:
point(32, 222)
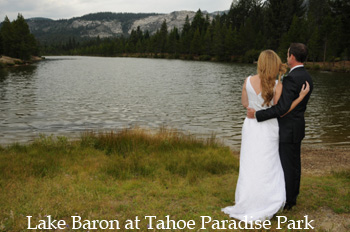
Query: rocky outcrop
point(101, 28)
point(6, 61)
point(152, 23)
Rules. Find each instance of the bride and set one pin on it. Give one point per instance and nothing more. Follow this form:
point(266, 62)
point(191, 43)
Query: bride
point(260, 191)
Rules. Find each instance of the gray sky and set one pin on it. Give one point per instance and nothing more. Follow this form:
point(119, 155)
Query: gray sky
point(65, 9)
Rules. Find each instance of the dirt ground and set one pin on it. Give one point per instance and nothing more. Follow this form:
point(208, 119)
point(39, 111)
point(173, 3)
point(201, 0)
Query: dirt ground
point(321, 161)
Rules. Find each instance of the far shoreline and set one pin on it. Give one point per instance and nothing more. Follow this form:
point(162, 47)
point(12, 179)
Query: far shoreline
point(336, 66)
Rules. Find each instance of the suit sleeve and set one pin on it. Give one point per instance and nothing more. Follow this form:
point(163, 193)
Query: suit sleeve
point(289, 93)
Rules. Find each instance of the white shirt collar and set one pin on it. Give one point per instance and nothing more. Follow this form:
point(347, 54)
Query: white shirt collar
point(298, 66)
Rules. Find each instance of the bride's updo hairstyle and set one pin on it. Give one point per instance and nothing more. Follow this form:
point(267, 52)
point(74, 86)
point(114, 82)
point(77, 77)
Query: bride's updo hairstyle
point(269, 66)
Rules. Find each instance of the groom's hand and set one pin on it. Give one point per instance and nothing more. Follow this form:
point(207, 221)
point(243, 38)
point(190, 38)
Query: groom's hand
point(250, 112)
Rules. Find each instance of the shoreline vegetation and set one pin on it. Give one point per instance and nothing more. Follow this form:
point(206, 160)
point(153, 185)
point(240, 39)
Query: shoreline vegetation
point(136, 172)
point(336, 66)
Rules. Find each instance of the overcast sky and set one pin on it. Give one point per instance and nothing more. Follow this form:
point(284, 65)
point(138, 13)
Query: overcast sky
point(65, 9)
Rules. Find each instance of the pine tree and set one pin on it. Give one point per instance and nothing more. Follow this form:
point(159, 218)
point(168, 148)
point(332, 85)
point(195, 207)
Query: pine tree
point(218, 48)
point(207, 41)
point(296, 33)
point(340, 11)
point(186, 37)
point(246, 37)
point(279, 17)
point(196, 44)
point(314, 45)
point(1, 45)
point(173, 41)
point(231, 42)
point(163, 37)
point(6, 32)
point(329, 32)
point(23, 43)
point(317, 10)
point(239, 12)
point(198, 22)
point(17, 40)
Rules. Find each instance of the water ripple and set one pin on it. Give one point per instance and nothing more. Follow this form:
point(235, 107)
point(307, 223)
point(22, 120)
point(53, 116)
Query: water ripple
point(68, 95)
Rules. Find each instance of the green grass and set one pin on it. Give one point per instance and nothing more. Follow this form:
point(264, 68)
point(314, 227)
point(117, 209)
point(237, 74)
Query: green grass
point(121, 175)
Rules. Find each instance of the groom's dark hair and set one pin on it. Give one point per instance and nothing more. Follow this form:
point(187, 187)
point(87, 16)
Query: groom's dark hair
point(299, 51)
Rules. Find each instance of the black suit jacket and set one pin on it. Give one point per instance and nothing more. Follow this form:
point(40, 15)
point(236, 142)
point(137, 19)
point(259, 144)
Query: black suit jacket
point(291, 126)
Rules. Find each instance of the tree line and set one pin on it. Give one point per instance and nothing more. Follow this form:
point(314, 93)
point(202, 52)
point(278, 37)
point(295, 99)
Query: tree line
point(240, 34)
point(16, 40)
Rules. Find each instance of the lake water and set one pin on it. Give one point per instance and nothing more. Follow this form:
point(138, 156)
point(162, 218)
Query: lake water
point(69, 95)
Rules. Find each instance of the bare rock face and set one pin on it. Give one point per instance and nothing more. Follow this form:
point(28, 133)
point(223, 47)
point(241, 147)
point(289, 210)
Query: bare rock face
point(101, 28)
point(175, 19)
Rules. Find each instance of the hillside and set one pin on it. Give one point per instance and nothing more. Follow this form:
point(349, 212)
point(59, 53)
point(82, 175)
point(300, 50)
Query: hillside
point(104, 25)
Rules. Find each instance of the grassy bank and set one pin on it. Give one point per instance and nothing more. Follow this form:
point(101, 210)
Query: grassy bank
point(121, 175)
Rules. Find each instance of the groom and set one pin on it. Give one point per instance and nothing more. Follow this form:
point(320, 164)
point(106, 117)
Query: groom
point(292, 125)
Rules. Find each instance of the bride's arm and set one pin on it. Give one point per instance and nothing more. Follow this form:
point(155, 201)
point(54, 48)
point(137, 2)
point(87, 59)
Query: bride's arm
point(303, 92)
point(279, 87)
point(244, 99)
point(278, 92)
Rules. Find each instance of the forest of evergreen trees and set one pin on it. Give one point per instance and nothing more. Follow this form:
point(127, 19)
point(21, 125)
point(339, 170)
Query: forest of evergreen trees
point(249, 27)
point(239, 35)
point(16, 40)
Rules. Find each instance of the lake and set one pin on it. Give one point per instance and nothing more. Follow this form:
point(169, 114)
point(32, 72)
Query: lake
point(70, 95)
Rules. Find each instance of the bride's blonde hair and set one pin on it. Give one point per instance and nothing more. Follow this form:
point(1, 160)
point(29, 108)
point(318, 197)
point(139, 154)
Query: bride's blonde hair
point(269, 66)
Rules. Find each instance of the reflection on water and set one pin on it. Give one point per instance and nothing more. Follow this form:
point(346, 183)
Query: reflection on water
point(68, 95)
point(328, 112)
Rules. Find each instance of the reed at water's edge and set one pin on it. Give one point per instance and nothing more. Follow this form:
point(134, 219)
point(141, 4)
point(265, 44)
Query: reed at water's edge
point(129, 173)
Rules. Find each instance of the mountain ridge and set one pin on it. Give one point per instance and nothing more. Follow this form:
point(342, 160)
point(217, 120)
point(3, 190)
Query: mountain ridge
point(106, 24)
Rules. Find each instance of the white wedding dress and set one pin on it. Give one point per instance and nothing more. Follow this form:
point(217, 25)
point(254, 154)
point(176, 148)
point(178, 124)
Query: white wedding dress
point(260, 191)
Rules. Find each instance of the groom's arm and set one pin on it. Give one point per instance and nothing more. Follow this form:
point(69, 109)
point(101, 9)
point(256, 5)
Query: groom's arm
point(289, 93)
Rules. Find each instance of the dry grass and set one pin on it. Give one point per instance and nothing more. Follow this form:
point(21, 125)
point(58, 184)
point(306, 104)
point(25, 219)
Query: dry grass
point(339, 66)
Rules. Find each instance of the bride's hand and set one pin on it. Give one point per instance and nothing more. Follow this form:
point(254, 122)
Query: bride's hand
point(250, 112)
point(304, 90)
